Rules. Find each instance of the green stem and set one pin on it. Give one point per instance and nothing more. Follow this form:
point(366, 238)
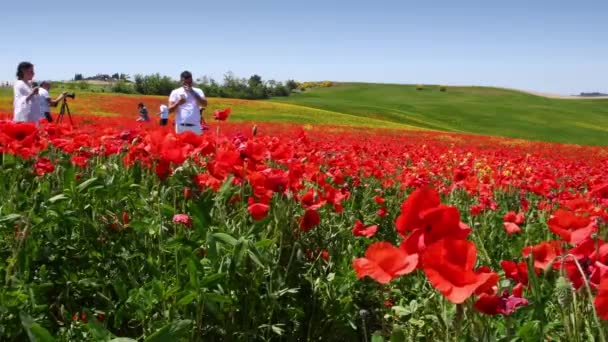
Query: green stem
point(590, 295)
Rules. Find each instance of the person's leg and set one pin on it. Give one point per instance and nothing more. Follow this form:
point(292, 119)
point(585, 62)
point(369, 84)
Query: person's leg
point(48, 116)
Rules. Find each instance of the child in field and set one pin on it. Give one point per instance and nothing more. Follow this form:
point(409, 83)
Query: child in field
point(143, 112)
point(164, 115)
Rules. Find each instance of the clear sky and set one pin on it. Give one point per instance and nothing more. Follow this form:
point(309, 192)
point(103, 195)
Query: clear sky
point(551, 46)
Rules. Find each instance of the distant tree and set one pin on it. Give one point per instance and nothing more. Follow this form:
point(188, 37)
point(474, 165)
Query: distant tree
point(255, 81)
point(78, 77)
point(124, 77)
point(154, 84)
point(291, 85)
point(280, 90)
point(115, 76)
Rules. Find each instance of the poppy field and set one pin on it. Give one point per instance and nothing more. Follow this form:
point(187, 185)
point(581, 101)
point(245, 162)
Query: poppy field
point(123, 231)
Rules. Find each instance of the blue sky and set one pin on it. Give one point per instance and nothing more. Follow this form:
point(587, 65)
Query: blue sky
point(551, 46)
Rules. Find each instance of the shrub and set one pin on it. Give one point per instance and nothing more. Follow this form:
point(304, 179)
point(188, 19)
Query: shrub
point(123, 87)
point(443, 88)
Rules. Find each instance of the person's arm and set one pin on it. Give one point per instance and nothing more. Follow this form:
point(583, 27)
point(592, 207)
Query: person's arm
point(56, 101)
point(32, 94)
point(202, 101)
point(175, 101)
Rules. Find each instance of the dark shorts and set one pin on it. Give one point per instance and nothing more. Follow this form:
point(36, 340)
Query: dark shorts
point(48, 116)
point(163, 122)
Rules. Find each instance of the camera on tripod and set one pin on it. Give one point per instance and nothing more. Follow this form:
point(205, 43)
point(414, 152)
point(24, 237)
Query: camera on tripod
point(65, 108)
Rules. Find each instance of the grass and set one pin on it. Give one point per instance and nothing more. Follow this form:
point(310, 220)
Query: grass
point(480, 110)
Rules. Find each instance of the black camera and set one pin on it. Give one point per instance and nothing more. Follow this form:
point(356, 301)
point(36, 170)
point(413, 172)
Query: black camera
point(71, 95)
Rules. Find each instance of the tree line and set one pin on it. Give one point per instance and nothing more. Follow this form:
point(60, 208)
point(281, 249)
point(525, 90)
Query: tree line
point(231, 86)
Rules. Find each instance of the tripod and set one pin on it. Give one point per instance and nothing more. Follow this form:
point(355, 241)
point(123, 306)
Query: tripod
point(64, 109)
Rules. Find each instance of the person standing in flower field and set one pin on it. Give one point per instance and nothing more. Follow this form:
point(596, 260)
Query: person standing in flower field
point(185, 101)
point(164, 114)
point(24, 94)
point(46, 101)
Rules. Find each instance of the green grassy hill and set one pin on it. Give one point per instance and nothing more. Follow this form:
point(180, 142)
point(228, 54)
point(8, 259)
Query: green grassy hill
point(482, 110)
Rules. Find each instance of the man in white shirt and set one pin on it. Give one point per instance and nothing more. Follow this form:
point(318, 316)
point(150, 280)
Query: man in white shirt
point(46, 101)
point(185, 101)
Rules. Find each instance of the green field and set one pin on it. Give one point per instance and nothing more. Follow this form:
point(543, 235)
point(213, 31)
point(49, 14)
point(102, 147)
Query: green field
point(481, 110)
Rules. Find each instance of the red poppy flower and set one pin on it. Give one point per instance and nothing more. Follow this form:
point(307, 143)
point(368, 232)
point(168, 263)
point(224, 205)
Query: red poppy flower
point(379, 200)
point(43, 166)
point(257, 210)
point(221, 115)
point(384, 262)
point(448, 265)
point(79, 161)
point(381, 212)
point(511, 216)
point(601, 300)
point(505, 304)
point(544, 253)
point(310, 219)
point(439, 222)
point(418, 201)
point(570, 227)
point(361, 230)
point(125, 217)
point(516, 271)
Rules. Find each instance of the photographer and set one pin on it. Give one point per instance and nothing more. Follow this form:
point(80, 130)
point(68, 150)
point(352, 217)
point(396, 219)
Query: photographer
point(185, 101)
point(46, 100)
point(24, 94)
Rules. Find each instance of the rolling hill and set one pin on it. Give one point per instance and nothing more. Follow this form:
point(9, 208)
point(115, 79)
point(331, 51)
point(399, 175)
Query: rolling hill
point(481, 110)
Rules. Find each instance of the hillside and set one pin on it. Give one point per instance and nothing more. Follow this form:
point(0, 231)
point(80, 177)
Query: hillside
point(481, 110)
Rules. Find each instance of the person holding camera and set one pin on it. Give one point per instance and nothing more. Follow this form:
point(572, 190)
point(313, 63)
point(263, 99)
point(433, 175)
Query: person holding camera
point(185, 101)
point(46, 100)
point(24, 100)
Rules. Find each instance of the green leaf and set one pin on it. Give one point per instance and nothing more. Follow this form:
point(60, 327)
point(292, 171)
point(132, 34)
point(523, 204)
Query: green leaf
point(35, 332)
point(211, 279)
point(171, 332)
point(10, 217)
point(123, 339)
point(187, 299)
point(530, 331)
point(398, 335)
point(265, 243)
point(277, 330)
point(255, 259)
point(226, 238)
point(84, 185)
point(57, 198)
point(217, 298)
point(377, 337)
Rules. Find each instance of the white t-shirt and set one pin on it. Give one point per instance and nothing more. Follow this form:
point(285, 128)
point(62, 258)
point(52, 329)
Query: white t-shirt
point(43, 94)
point(22, 108)
point(164, 112)
point(36, 111)
point(188, 112)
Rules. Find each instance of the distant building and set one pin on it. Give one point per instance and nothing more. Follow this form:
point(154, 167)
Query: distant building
point(593, 94)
